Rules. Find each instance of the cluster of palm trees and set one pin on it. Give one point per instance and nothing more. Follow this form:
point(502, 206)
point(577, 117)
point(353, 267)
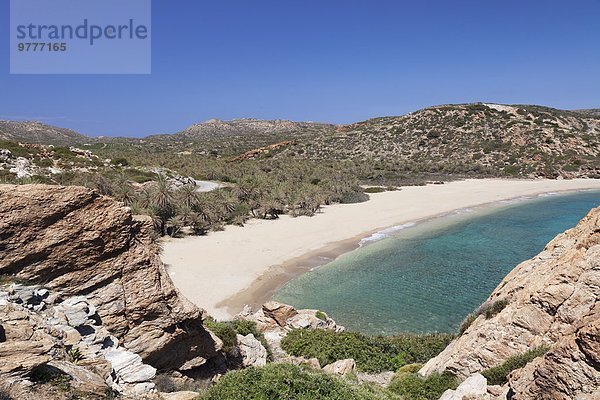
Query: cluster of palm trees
point(174, 207)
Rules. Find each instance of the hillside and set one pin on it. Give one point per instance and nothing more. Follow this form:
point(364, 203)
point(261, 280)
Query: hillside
point(239, 135)
point(37, 132)
point(469, 138)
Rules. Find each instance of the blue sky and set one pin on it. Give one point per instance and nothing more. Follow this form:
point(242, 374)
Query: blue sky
point(318, 60)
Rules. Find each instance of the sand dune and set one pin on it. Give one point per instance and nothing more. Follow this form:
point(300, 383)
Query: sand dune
point(223, 270)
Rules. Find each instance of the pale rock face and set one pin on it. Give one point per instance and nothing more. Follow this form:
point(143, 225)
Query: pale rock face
point(23, 346)
point(129, 367)
point(474, 387)
point(185, 395)
point(22, 168)
point(79, 242)
point(252, 351)
point(340, 367)
point(553, 300)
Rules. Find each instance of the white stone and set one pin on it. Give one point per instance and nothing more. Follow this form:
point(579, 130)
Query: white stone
point(128, 366)
point(341, 367)
point(252, 351)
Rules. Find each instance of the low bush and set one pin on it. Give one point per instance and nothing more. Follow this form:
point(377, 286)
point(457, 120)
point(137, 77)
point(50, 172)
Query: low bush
point(227, 332)
point(286, 381)
point(375, 189)
point(412, 386)
point(488, 309)
point(372, 354)
point(491, 310)
point(466, 323)
point(321, 315)
point(498, 375)
point(354, 197)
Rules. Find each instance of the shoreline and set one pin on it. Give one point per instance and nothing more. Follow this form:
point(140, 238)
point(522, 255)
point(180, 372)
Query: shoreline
point(223, 282)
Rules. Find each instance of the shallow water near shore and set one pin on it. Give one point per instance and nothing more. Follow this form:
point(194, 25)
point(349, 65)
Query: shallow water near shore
point(428, 276)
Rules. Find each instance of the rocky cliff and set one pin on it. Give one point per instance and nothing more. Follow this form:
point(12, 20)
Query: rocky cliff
point(550, 300)
point(78, 243)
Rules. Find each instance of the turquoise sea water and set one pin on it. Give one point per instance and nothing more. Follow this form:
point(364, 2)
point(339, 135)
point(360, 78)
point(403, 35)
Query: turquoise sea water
point(429, 276)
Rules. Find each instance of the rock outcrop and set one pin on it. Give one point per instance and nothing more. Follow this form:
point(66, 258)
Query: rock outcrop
point(275, 320)
point(79, 243)
point(550, 300)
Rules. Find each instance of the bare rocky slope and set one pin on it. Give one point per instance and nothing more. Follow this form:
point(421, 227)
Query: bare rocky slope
point(78, 243)
point(37, 132)
point(551, 300)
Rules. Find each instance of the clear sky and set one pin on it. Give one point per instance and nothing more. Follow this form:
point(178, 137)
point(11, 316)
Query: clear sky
point(319, 60)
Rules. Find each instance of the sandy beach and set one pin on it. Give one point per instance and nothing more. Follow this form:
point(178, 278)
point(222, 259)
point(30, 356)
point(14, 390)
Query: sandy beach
point(224, 270)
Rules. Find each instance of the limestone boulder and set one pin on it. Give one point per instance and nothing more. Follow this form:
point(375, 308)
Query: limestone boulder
point(252, 351)
point(341, 367)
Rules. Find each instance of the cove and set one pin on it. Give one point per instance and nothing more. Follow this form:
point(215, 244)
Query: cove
point(428, 276)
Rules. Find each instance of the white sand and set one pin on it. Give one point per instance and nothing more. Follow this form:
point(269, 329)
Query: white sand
point(211, 269)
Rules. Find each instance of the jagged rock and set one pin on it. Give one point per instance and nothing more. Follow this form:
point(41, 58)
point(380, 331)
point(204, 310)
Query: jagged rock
point(474, 387)
point(25, 345)
point(279, 312)
point(81, 243)
point(252, 351)
point(341, 367)
point(307, 319)
point(81, 378)
point(5, 154)
point(553, 301)
point(128, 366)
point(569, 371)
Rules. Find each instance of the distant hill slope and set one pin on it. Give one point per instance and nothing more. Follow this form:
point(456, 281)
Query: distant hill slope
point(215, 128)
point(594, 112)
point(240, 135)
point(37, 132)
point(516, 140)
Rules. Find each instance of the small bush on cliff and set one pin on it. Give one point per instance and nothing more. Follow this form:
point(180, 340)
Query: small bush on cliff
point(489, 309)
point(466, 323)
point(494, 308)
point(286, 381)
point(372, 354)
point(498, 375)
point(227, 332)
point(412, 386)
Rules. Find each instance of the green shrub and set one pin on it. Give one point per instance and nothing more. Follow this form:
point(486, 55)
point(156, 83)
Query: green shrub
point(372, 354)
point(224, 331)
point(120, 161)
point(412, 386)
point(227, 332)
point(354, 197)
point(466, 323)
point(15, 149)
point(498, 375)
point(488, 309)
point(494, 308)
point(321, 315)
point(375, 189)
point(286, 381)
